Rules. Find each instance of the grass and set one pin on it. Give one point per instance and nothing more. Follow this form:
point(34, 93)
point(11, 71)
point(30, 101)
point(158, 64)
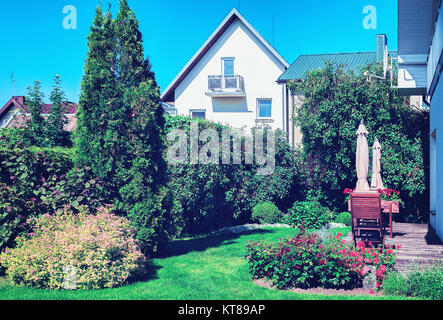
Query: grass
point(202, 268)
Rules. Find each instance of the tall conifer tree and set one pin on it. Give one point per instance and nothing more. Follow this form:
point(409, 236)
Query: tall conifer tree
point(121, 124)
point(57, 119)
point(35, 127)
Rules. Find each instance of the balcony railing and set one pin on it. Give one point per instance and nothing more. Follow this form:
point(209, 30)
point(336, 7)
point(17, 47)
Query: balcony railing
point(226, 85)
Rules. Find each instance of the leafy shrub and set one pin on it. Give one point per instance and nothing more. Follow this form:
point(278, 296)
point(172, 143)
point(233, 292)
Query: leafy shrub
point(419, 282)
point(100, 248)
point(266, 212)
point(306, 261)
point(308, 213)
point(14, 211)
point(23, 177)
point(36, 181)
point(13, 138)
point(213, 196)
point(345, 218)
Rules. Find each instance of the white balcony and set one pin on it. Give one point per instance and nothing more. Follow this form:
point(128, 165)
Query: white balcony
point(225, 86)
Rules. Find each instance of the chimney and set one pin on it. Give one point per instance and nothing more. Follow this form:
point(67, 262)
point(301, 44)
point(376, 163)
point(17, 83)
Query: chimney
point(382, 47)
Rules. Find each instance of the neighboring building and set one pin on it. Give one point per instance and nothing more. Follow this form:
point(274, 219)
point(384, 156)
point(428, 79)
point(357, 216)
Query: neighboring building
point(420, 63)
point(15, 113)
point(308, 62)
point(232, 79)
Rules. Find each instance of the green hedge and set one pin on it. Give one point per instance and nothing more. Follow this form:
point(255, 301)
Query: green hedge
point(212, 196)
point(35, 181)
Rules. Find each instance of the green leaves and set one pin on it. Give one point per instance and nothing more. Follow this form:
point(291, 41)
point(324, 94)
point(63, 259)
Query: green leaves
point(335, 102)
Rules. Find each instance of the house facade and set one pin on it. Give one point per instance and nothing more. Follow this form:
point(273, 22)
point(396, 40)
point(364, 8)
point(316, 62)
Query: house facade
point(420, 64)
point(15, 113)
point(232, 79)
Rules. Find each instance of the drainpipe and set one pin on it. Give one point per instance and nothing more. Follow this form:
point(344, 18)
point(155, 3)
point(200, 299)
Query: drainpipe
point(426, 102)
point(283, 106)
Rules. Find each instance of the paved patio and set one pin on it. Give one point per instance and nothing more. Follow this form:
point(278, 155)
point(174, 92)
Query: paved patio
point(417, 242)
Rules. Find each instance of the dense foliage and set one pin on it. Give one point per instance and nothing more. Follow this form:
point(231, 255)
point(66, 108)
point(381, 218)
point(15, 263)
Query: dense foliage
point(38, 130)
point(121, 125)
point(420, 282)
point(307, 261)
point(75, 251)
point(211, 196)
point(37, 181)
point(266, 212)
point(335, 103)
point(345, 218)
point(308, 213)
point(54, 127)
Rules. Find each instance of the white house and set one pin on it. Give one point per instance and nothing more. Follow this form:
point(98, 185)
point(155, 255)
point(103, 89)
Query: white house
point(420, 46)
point(232, 79)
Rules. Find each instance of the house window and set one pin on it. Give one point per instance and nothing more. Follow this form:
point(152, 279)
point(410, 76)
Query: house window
point(201, 114)
point(264, 107)
point(228, 66)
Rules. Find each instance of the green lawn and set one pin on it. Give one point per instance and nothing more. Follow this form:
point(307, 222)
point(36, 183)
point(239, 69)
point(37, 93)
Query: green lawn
point(204, 268)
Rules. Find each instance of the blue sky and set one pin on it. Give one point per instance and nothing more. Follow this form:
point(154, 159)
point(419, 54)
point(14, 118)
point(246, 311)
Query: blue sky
point(35, 45)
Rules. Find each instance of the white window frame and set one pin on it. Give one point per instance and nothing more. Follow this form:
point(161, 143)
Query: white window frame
point(258, 107)
point(223, 59)
point(197, 110)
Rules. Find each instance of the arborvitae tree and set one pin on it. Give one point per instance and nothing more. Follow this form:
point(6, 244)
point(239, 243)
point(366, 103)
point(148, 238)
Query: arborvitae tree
point(121, 125)
point(35, 128)
point(143, 190)
point(57, 119)
point(98, 91)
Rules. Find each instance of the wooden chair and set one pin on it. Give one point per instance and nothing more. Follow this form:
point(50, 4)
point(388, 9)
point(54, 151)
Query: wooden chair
point(367, 218)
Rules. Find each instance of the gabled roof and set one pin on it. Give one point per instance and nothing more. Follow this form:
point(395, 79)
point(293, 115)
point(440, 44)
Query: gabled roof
point(168, 93)
point(19, 102)
point(307, 62)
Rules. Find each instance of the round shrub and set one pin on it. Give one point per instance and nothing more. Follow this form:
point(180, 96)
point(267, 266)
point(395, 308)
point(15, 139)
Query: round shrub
point(345, 218)
point(266, 212)
point(75, 251)
point(308, 213)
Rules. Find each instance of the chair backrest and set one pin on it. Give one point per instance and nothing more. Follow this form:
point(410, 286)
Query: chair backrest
point(365, 206)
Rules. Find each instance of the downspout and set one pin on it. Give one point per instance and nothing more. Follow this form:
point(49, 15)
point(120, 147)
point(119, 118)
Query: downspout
point(283, 106)
point(426, 102)
point(287, 110)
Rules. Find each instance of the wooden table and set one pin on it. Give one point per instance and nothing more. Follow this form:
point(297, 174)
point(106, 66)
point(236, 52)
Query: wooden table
point(390, 207)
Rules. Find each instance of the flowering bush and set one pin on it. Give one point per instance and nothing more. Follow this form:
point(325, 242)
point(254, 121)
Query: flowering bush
point(390, 195)
point(348, 193)
point(306, 261)
point(100, 249)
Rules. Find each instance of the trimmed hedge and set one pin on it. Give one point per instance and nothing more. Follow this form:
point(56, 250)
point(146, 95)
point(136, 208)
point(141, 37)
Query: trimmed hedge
point(212, 196)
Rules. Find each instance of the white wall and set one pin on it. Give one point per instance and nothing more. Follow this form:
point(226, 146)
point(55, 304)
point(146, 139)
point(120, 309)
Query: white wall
point(253, 61)
point(436, 160)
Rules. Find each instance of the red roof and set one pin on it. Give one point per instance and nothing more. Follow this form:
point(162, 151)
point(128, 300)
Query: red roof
point(20, 119)
point(18, 101)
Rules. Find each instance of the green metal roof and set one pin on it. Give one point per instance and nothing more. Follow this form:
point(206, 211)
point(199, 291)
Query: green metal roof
point(307, 62)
